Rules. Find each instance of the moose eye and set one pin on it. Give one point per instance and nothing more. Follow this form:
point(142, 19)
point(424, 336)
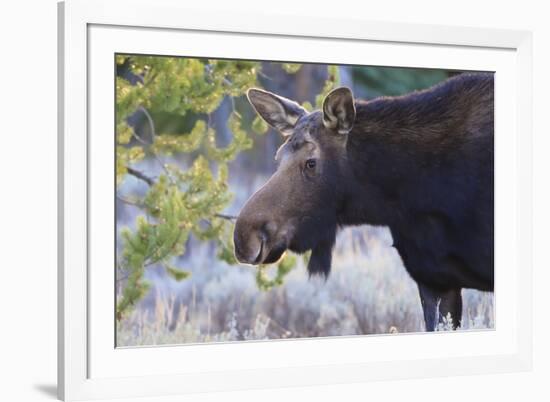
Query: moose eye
point(311, 163)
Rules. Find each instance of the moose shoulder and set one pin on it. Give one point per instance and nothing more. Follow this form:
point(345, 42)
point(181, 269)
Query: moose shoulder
point(421, 164)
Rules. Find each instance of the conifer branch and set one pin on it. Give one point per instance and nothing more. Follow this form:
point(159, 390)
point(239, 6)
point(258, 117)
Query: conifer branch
point(122, 278)
point(153, 136)
point(150, 181)
point(130, 202)
point(225, 216)
point(140, 175)
point(149, 260)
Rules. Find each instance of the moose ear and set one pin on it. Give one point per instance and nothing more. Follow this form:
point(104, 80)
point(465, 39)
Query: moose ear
point(280, 113)
point(339, 110)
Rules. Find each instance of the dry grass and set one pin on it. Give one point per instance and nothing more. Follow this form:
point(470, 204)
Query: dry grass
point(368, 292)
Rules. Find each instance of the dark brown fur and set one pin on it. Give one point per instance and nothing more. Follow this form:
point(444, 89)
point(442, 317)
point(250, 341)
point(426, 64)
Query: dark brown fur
point(421, 164)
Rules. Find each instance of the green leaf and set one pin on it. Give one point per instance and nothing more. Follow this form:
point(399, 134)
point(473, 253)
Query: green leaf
point(259, 126)
point(176, 273)
point(291, 68)
point(332, 81)
point(239, 143)
point(168, 144)
point(282, 267)
point(308, 106)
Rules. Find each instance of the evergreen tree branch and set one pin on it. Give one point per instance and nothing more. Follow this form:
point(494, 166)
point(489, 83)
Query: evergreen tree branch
point(150, 121)
point(130, 202)
point(150, 181)
point(228, 217)
point(122, 278)
point(153, 135)
point(151, 261)
point(140, 175)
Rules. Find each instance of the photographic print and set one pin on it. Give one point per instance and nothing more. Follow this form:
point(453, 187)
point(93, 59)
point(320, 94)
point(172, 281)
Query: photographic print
point(265, 200)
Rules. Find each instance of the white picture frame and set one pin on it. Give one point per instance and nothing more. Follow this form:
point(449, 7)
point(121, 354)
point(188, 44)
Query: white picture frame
point(89, 365)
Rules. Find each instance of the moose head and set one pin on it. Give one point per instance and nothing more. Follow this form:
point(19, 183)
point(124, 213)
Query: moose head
point(297, 208)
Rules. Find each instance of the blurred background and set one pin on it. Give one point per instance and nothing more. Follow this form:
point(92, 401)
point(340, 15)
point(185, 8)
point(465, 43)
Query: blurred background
point(190, 152)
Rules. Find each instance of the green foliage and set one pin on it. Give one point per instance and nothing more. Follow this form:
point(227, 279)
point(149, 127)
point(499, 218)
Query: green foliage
point(225, 244)
point(259, 125)
point(126, 156)
point(332, 82)
point(176, 273)
point(291, 68)
point(283, 267)
point(308, 106)
point(168, 144)
point(179, 203)
point(176, 205)
point(240, 141)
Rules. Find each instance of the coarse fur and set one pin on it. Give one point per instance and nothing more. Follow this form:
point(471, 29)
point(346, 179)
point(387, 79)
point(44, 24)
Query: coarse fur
point(421, 164)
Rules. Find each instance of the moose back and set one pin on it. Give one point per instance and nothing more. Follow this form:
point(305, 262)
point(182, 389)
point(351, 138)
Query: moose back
point(420, 164)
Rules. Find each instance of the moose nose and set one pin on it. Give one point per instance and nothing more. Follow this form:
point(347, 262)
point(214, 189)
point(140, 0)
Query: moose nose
point(249, 244)
point(250, 239)
point(249, 255)
point(249, 250)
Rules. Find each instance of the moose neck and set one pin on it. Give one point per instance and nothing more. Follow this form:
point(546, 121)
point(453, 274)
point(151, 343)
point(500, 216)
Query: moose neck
point(390, 147)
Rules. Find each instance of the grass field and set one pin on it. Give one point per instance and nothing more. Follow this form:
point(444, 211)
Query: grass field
point(368, 292)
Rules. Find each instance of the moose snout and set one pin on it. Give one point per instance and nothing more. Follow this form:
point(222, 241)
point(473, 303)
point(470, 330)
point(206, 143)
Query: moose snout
point(252, 238)
point(257, 236)
point(248, 250)
point(249, 242)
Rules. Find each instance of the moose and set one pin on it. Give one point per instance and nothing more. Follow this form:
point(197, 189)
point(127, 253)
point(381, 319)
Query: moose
point(420, 164)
